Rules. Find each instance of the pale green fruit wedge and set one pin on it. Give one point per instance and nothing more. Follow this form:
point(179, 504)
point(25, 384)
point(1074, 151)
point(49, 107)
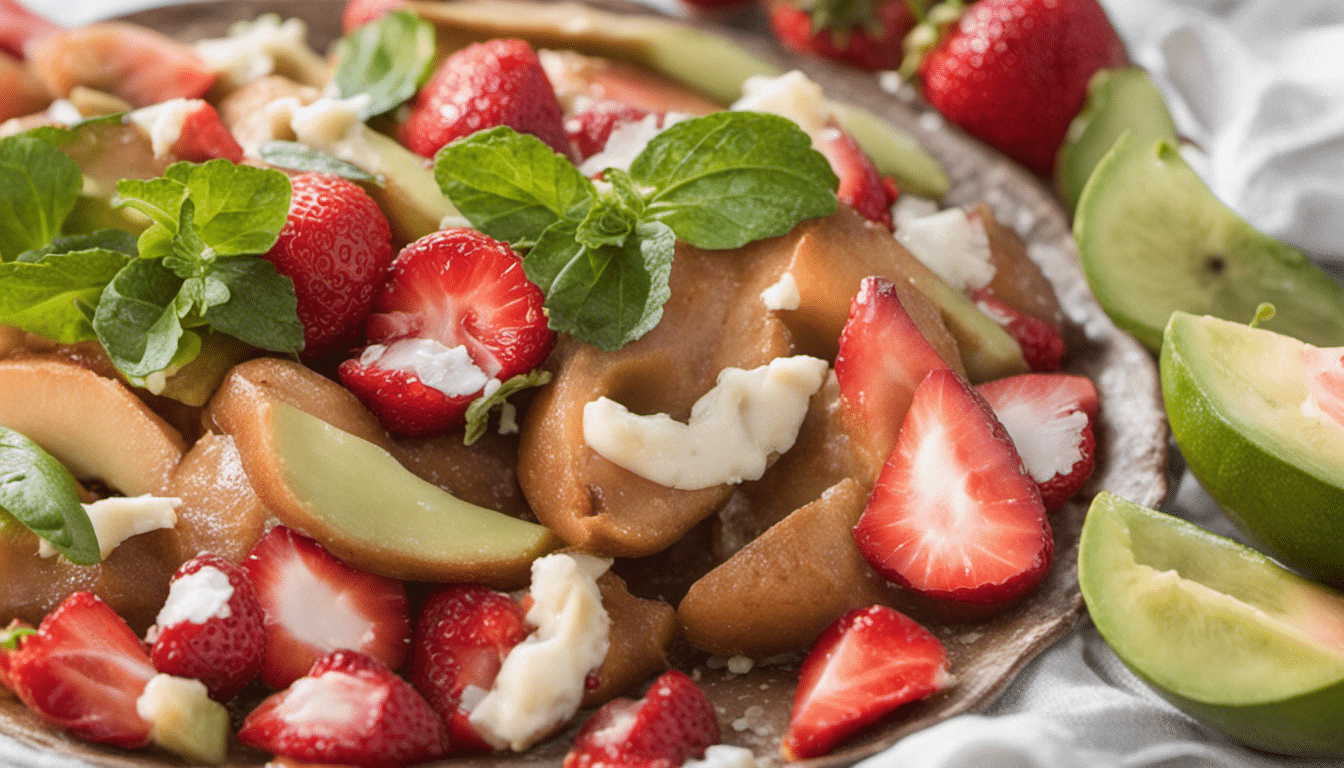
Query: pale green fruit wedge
point(1153, 239)
point(1216, 628)
point(1118, 100)
point(1260, 419)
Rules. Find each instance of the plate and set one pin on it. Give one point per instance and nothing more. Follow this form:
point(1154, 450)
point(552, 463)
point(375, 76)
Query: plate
point(985, 656)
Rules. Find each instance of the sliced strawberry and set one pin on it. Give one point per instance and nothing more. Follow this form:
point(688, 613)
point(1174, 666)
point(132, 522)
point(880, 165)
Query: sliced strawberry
point(83, 671)
point(462, 635)
point(869, 662)
point(314, 603)
point(138, 64)
point(498, 82)
point(954, 514)
point(1049, 416)
point(863, 33)
point(1042, 345)
point(336, 246)
point(861, 185)
point(211, 627)
point(590, 128)
point(455, 288)
point(205, 137)
point(672, 723)
point(10, 640)
point(357, 13)
point(349, 709)
point(882, 359)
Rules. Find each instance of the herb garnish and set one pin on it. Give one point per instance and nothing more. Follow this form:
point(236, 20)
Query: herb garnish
point(39, 492)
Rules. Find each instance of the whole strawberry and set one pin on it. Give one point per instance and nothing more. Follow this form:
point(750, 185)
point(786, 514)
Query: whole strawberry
point(336, 246)
point(1014, 72)
point(864, 33)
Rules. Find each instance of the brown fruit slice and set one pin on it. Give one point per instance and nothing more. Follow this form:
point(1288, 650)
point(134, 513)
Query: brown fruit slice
point(641, 632)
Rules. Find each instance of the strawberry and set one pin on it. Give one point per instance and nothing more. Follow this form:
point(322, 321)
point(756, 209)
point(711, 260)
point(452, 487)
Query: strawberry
point(591, 127)
point(349, 709)
point(456, 312)
point(498, 82)
point(19, 26)
point(357, 13)
point(462, 635)
point(10, 640)
point(864, 33)
point(138, 64)
point(671, 724)
point(83, 671)
point(862, 187)
point(882, 359)
point(1049, 416)
point(1014, 72)
point(211, 627)
point(1042, 345)
point(205, 137)
point(954, 515)
point(869, 662)
point(313, 603)
point(336, 246)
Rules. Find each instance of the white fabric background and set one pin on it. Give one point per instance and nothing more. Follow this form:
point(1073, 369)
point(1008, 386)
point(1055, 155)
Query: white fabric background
point(1258, 85)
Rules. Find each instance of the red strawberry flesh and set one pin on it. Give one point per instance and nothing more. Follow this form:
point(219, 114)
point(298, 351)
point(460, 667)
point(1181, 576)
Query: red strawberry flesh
point(672, 723)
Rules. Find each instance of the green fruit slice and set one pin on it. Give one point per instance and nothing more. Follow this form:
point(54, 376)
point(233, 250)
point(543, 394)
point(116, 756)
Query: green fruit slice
point(1118, 100)
point(1217, 628)
point(1153, 239)
point(1258, 416)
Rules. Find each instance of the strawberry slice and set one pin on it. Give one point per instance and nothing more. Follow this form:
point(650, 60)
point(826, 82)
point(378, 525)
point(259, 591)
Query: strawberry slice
point(498, 82)
point(11, 637)
point(869, 662)
point(349, 709)
point(205, 137)
point(1042, 345)
point(210, 628)
point(671, 724)
point(1049, 416)
point(83, 671)
point(456, 312)
point(19, 27)
point(862, 187)
point(462, 635)
point(313, 603)
point(882, 359)
point(954, 514)
point(591, 128)
point(357, 13)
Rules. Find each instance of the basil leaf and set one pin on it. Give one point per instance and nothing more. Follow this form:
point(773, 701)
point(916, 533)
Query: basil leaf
point(40, 493)
point(728, 178)
point(38, 188)
point(239, 209)
point(300, 157)
point(55, 296)
point(478, 412)
point(137, 320)
point(511, 185)
point(388, 59)
point(261, 310)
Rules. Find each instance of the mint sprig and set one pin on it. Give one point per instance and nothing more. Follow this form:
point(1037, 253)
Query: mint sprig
point(52, 291)
point(603, 254)
point(38, 188)
point(388, 59)
point(39, 492)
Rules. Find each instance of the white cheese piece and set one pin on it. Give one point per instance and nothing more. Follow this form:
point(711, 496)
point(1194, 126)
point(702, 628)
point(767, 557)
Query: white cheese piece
point(163, 122)
point(542, 680)
point(264, 46)
point(1039, 439)
point(197, 598)
point(732, 431)
point(450, 370)
point(64, 112)
point(953, 246)
point(328, 125)
point(909, 207)
point(118, 518)
point(183, 719)
point(783, 294)
point(627, 141)
point(724, 756)
point(790, 95)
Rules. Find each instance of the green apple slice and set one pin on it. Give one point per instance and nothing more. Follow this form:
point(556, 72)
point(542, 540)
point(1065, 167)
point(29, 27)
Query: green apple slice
point(1216, 628)
point(1258, 417)
point(1153, 239)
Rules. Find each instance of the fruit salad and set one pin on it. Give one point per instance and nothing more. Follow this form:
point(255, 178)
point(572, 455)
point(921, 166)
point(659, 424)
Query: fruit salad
point(432, 399)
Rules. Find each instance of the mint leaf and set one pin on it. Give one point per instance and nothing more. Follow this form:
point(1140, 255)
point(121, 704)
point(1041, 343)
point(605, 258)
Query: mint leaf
point(478, 412)
point(388, 59)
point(118, 240)
point(240, 209)
point(728, 178)
point(301, 157)
point(137, 320)
point(261, 309)
point(511, 185)
point(54, 296)
point(38, 188)
point(60, 135)
point(40, 493)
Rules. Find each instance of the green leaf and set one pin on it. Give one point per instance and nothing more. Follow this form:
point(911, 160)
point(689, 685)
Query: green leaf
point(60, 135)
point(301, 157)
point(118, 240)
point(55, 296)
point(261, 310)
point(511, 186)
point(728, 178)
point(608, 223)
point(12, 636)
point(137, 320)
point(388, 59)
point(478, 412)
point(240, 209)
point(38, 188)
point(40, 493)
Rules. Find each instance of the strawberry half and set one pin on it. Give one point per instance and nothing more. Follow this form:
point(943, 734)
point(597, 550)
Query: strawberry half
point(313, 604)
point(462, 635)
point(863, 33)
point(453, 288)
point(10, 640)
point(1049, 417)
point(349, 709)
point(672, 723)
point(954, 515)
point(862, 186)
point(336, 247)
point(1042, 346)
point(83, 671)
point(869, 662)
point(211, 627)
point(590, 128)
point(498, 82)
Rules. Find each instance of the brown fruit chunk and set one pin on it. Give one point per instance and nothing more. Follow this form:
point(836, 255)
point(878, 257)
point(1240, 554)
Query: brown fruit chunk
point(1018, 280)
point(641, 632)
point(220, 512)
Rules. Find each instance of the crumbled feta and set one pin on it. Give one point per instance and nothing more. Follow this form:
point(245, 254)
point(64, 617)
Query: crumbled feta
point(909, 207)
point(163, 122)
point(783, 294)
point(724, 756)
point(118, 518)
point(542, 680)
point(790, 95)
point(450, 370)
point(64, 112)
point(627, 141)
point(197, 598)
point(330, 125)
point(264, 46)
point(732, 431)
point(1038, 437)
point(953, 246)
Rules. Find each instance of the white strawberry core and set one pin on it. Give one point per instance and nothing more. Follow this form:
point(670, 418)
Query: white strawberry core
point(197, 598)
point(450, 370)
point(332, 697)
point(1048, 434)
point(783, 294)
point(953, 246)
point(316, 614)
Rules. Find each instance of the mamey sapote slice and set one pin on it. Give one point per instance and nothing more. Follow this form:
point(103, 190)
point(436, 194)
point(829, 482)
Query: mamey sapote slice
point(220, 512)
point(1018, 280)
point(641, 633)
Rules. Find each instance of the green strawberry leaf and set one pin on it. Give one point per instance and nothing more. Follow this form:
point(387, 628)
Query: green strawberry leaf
point(387, 59)
point(38, 491)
